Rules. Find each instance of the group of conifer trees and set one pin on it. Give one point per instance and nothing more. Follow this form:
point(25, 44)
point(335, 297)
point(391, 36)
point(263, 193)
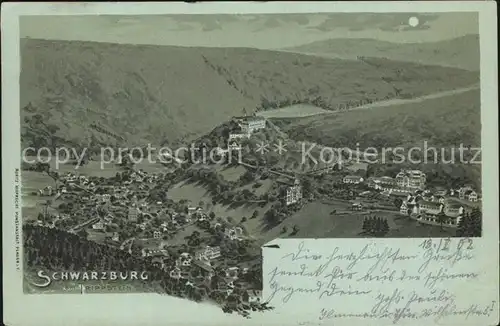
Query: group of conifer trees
point(375, 226)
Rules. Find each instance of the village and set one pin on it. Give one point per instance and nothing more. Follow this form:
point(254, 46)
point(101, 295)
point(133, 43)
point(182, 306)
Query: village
point(121, 212)
point(132, 212)
point(428, 206)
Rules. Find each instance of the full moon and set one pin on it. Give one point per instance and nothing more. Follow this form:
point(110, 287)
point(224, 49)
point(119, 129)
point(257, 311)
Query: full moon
point(413, 21)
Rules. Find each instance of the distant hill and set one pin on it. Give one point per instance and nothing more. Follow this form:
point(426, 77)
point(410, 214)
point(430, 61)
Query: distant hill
point(93, 94)
point(461, 52)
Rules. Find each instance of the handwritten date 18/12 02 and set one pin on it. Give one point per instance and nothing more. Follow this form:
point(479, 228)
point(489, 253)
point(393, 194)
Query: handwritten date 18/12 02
point(444, 244)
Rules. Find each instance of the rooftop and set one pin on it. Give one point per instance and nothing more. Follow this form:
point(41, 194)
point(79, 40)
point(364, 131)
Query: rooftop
point(357, 177)
point(398, 193)
point(410, 173)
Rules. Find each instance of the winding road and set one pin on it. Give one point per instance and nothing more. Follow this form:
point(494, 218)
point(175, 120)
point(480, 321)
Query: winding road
point(414, 100)
point(282, 112)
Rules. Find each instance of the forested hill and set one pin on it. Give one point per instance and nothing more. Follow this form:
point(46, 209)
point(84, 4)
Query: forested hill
point(89, 93)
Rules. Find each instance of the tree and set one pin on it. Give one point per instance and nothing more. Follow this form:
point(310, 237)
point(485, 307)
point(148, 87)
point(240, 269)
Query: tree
point(470, 225)
point(385, 227)
point(255, 214)
point(371, 225)
point(375, 226)
point(82, 233)
point(365, 228)
point(156, 222)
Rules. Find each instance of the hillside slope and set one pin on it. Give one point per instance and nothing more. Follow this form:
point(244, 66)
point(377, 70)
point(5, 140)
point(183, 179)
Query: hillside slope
point(140, 93)
point(461, 52)
point(443, 121)
point(93, 94)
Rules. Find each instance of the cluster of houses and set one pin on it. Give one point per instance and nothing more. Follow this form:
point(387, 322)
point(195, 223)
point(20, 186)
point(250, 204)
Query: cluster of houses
point(421, 204)
point(431, 209)
point(97, 204)
point(194, 214)
point(46, 191)
point(70, 181)
point(407, 182)
point(92, 195)
point(53, 220)
point(125, 200)
point(466, 193)
point(206, 260)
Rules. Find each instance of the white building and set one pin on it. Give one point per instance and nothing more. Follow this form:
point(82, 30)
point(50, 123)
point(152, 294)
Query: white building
point(464, 191)
point(428, 213)
point(132, 213)
point(250, 124)
point(357, 207)
point(352, 179)
point(294, 193)
point(232, 272)
point(47, 191)
point(429, 207)
point(175, 273)
point(404, 208)
point(237, 136)
point(208, 253)
point(233, 146)
point(234, 233)
point(184, 259)
point(148, 252)
point(98, 226)
point(411, 179)
point(382, 183)
point(471, 196)
point(254, 296)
